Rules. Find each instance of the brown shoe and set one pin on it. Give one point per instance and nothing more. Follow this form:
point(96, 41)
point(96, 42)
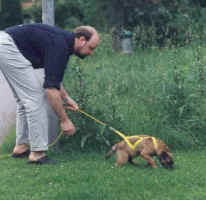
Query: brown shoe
point(21, 155)
point(43, 160)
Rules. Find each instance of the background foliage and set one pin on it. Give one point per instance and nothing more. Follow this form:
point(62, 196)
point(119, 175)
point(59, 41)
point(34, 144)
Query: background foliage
point(10, 13)
point(160, 92)
point(153, 22)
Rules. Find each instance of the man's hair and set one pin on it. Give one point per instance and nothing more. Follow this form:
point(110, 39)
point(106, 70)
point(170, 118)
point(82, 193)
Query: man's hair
point(85, 31)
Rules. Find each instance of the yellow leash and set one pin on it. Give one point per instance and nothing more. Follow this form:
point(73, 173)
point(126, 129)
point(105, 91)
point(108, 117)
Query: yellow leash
point(111, 128)
point(126, 138)
point(56, 140)
point(132, 146)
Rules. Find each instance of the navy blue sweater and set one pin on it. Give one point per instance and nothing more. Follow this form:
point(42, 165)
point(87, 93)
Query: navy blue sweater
point(45, 47)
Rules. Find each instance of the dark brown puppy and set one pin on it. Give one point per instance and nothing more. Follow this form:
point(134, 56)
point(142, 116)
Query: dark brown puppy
point(146, 148)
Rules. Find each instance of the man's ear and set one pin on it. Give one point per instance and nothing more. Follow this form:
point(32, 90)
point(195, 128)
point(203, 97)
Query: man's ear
point(82, 41)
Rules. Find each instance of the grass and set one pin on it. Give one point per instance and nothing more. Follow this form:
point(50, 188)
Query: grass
point(87, 175)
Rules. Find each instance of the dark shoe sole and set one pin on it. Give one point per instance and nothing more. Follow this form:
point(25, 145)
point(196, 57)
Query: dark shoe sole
point(22, 155)
point(42, 161)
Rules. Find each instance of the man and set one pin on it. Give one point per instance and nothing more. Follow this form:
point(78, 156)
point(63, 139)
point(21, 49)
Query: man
point(24, 48)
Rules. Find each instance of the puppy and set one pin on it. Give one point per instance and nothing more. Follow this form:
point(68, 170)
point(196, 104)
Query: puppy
point(146, 147)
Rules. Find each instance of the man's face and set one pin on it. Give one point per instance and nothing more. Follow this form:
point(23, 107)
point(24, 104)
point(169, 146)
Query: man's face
point(86, 48)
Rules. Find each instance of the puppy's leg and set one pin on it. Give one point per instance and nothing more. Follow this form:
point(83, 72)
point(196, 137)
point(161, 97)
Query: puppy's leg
point(122, 158)
point(148, 158)
point(111, 152)
point(148, 165)
point(132, 161)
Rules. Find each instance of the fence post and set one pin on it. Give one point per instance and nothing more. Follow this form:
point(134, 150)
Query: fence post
point(0, 5)
point(48, 18)
point(48, 12)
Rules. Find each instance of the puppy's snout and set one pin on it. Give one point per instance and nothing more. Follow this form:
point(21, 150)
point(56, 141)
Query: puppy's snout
point(169, 164)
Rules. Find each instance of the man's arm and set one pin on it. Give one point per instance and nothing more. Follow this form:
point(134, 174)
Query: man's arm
point(70, 102)
point(55, 100)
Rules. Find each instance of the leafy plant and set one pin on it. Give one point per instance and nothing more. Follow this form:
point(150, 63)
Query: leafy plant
point(10, 13)
point(159, 92)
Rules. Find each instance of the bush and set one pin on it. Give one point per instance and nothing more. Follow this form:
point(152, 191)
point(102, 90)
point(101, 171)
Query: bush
point(164, 23)
point(10, 13)
point(67, 13)
point(155, 92)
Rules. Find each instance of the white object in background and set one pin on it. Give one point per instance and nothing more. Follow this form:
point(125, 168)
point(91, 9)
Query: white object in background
point(7, 108)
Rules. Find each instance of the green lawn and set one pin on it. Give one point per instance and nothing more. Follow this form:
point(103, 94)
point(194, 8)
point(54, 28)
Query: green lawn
point(88, 176)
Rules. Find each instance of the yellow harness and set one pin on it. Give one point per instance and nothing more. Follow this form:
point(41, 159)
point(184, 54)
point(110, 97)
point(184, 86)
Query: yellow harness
point(140, 139)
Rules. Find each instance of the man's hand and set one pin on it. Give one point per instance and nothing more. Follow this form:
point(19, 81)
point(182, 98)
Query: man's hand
point(68, 127)
point(71, 104)
point(55, 100)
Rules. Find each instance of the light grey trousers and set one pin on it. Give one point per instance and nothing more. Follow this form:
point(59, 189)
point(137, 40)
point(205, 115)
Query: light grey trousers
point(31, 115)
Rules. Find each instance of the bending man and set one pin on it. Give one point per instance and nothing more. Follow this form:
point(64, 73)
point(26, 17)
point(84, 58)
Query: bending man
point(24, 48)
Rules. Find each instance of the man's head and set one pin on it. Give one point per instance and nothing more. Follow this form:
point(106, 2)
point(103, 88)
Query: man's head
point(86, 40)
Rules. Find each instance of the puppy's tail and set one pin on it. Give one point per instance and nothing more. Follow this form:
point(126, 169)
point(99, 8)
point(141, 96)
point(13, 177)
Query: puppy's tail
point(111, 152)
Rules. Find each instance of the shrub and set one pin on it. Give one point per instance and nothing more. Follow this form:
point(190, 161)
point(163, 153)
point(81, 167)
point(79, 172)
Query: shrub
point(10, 13)
point(165, 23)
point(155, 92)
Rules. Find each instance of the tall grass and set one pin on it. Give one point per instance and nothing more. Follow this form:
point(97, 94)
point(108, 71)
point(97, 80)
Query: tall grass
point(160, 92)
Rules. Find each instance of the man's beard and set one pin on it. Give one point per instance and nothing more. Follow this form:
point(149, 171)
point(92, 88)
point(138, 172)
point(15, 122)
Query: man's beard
point(80, 55)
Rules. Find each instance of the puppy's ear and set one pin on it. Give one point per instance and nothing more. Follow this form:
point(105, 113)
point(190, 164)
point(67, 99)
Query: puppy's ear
point(163, 155)
point(166, 160)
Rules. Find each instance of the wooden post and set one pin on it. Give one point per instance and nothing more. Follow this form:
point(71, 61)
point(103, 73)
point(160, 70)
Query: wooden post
point(48, 12)
point(48, 18)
